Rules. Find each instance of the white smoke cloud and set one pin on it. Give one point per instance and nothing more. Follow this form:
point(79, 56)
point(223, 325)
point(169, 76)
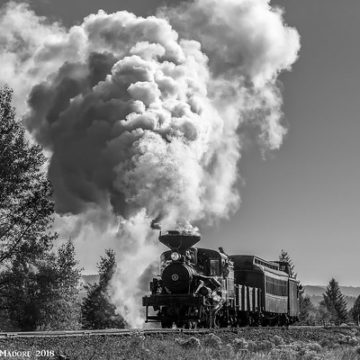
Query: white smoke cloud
point(137, 263)
point(31, 48)
point(248, 45)
point(142, 116)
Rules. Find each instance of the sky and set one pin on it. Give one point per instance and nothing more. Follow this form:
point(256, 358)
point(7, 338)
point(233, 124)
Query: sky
point(303, 198)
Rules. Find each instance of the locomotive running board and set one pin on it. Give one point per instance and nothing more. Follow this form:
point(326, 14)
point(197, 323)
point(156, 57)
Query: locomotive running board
point(169, 300)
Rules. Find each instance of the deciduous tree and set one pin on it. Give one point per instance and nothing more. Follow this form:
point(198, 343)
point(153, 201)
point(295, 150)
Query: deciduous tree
point(307, 310)
point(43, 294)
point(323, 314)
point(97, 310)
point(38, 288)
point(59, 291)
point(26, 206)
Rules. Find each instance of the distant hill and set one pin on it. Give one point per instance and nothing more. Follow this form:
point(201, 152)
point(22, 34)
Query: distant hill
point(315, 293)
point(318, 290)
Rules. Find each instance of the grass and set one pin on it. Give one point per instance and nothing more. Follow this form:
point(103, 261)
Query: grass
point(261, 343)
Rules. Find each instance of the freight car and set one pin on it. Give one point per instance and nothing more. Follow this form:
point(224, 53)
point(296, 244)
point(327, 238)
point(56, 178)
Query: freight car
point(200, 287)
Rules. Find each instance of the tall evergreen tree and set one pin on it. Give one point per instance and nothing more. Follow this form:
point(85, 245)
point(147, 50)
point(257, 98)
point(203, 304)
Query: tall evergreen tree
point(97, 310)
point(285, 257)
point(307, 311)
point(334, 302)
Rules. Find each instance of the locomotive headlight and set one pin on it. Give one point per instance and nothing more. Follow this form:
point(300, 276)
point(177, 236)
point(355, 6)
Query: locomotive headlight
point(175, 256)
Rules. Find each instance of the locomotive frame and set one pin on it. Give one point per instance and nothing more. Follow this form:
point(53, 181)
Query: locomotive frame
point(200, 287)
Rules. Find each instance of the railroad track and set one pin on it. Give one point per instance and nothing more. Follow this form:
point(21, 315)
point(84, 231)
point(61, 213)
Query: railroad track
point(119, 332)
point(134, 332)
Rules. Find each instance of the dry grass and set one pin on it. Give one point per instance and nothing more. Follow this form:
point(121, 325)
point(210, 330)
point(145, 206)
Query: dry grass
point(264, 344)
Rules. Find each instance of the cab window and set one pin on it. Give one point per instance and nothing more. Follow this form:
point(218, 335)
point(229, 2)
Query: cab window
point(192, 256)
point(214, 267)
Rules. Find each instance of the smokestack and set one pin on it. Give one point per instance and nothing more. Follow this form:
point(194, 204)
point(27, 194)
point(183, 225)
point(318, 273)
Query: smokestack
point(155, 223)
point(179, 242)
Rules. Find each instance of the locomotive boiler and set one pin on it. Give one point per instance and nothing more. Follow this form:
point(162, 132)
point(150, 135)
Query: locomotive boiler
point(200, 287)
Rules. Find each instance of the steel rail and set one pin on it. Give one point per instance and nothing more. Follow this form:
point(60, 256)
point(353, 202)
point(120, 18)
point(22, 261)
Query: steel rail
point(123, 332)
point(139, 332)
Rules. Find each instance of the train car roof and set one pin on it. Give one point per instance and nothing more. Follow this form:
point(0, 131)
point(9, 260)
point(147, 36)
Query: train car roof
point(250, 262)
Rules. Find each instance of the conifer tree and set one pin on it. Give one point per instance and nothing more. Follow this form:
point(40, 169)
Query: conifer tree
point(355, 311)
point(307, 312)
point(97, 310)
point(334, 302)
point(285, 257)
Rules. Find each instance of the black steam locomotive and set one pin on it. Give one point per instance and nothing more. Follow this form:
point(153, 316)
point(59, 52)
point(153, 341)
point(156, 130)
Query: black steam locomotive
point(207, 288)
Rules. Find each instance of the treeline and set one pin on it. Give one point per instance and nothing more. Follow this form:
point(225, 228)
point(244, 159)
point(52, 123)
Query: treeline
point(40, 286)
point(331, 310)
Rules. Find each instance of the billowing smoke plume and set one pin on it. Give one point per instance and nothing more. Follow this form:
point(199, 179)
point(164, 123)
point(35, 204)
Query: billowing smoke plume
point(143, 116)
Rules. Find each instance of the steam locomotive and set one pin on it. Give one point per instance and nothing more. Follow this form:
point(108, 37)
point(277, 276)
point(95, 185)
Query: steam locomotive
point(206, 288)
